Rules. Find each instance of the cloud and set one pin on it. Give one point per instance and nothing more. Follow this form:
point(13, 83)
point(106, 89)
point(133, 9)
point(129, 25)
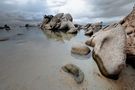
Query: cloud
point(83, 11)
point(13, 11)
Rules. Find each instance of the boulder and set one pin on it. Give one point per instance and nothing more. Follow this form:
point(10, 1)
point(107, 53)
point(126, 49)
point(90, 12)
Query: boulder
point(109, 50)
point(129, 24)
point(80, 49)
point(69, 17)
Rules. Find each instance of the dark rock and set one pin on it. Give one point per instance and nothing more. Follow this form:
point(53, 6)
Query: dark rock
point(7, 28)
point(75, 71)
point(78, 26)
point(131, 60)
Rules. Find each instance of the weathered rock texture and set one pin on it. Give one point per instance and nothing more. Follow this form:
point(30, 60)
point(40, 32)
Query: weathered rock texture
point(129, 24)
point(109, 50)
point(59, 22)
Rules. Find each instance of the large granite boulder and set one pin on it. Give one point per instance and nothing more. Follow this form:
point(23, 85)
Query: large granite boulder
point(92, 28)
point(109, 50)
point(129, 24)
point(59, 22)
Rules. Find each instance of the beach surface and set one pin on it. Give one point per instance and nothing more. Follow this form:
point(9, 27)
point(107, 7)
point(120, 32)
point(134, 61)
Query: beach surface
point(31, 60)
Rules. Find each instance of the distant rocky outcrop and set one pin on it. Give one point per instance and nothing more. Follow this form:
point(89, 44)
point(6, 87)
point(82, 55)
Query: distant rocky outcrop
point(6, 27)
point(90, 29)
point(109, 50)
point(59, 22)
point(30, 25)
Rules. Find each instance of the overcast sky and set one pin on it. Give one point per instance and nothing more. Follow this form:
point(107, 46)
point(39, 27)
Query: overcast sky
point(83, 11)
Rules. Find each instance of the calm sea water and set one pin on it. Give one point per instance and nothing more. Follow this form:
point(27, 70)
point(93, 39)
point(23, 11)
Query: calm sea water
point(32, 60)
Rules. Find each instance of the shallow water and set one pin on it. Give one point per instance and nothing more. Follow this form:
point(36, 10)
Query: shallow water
point(32, 60)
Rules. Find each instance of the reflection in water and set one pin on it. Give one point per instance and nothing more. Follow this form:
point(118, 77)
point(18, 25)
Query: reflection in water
point(81, 57)
point(58, 36)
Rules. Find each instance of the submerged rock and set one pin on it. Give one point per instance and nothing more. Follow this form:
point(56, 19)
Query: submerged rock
point(80, 49)
point(75, 71)
point(109, 50)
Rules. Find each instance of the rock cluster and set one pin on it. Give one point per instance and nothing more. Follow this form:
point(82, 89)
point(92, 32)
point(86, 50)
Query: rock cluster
point(114, 46)
point(90, 29)
point(59, 22)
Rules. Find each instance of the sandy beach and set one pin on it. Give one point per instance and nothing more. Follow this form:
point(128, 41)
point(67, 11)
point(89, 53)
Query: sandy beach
point(32, 60)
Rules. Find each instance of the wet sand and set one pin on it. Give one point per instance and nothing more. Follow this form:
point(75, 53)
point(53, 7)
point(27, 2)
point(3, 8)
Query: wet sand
point(32, 60)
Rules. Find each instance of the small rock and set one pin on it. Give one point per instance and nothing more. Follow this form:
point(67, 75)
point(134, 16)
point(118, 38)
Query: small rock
point(75, 71)
point(80, 49)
